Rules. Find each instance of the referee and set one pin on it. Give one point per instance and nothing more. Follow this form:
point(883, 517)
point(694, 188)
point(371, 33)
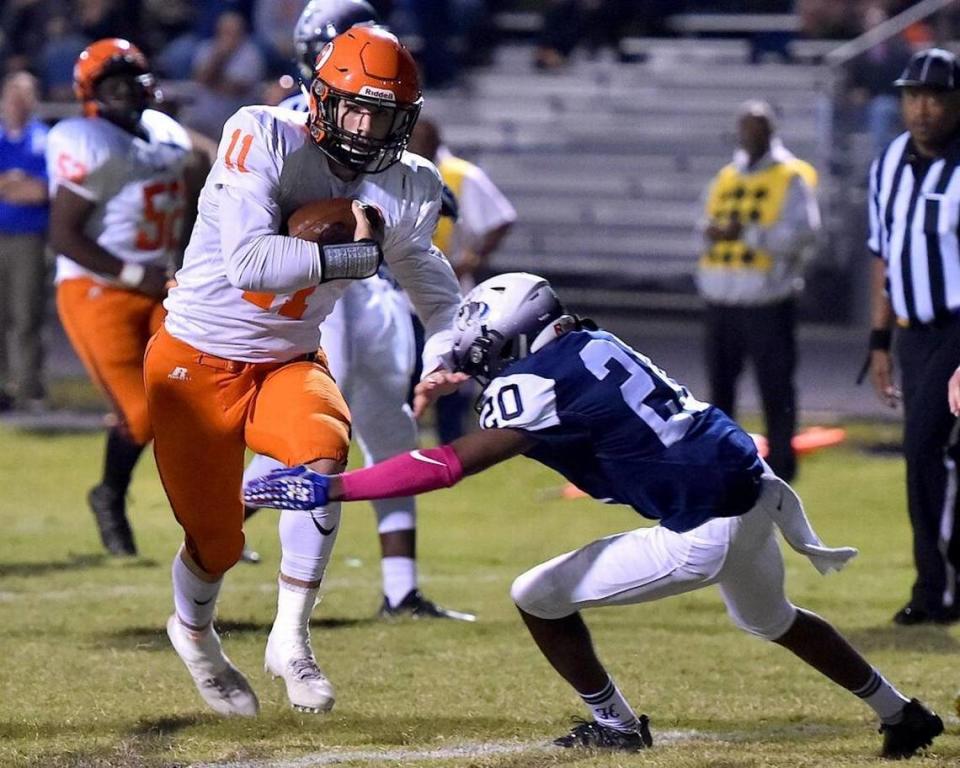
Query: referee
point(914, 211)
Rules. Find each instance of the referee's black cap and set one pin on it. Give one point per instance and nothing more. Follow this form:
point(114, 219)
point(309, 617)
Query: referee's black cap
point(933, 68)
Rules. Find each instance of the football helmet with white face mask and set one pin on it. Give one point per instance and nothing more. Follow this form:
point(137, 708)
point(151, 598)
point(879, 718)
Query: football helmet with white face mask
point(320, 22)
point(504, 319)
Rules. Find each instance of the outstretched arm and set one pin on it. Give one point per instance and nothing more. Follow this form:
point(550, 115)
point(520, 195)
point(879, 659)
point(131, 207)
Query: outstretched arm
point(953, 393)
point(405, 475)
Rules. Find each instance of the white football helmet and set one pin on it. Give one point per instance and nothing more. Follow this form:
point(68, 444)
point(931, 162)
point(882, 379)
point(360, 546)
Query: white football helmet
point(504, 319)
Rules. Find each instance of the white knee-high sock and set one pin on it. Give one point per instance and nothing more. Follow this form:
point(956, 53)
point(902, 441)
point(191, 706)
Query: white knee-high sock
point(610, 708)
point(306, 541)
point(399, 578)
point(882, 698)
point(194, 599)
point(291, 628)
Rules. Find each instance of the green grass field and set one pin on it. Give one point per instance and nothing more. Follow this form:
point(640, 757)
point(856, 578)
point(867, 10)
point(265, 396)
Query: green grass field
point(88, 678)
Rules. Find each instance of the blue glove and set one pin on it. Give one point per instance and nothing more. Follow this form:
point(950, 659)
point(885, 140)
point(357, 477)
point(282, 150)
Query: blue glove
point(295, 488)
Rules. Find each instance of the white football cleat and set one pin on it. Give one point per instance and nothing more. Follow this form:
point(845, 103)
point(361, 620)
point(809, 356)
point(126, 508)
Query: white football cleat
point(221, 684)
point(308, 688)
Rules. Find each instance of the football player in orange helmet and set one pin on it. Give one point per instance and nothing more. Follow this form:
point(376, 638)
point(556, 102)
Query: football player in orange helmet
point(239, 342)
point(369, 330)
point(112, 79)
point(364, 100)
point(125, 180)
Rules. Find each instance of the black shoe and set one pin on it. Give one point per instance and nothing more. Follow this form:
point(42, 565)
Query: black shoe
point(250, 556)
point(417, 606)
point(110, 510)
point(592, 735)
point(910, 616)
point(919, 727)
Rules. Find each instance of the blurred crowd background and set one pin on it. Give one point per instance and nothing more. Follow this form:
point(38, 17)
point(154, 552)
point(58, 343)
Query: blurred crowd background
point(449, 36)
point(602, 121)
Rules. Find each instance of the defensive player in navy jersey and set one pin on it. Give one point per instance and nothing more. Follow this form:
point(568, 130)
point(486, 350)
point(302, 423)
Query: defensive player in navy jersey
point(579, 400)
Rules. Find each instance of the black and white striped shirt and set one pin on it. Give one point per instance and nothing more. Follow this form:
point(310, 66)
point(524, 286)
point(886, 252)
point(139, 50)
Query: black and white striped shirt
point(914, 219)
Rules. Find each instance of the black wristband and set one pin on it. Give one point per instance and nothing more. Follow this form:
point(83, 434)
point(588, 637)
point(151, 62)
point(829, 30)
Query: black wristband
point(880, 339)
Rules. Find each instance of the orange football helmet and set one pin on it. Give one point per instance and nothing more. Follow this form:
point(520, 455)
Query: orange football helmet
point(114, 57)
point(364, 70)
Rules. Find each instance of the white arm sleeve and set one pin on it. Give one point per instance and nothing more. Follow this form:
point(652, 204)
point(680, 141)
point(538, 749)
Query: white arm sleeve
point(246, 179)
point(435, 294)
point(425, 274)
point(258, 259)
point(703, 221)
point(796, 229)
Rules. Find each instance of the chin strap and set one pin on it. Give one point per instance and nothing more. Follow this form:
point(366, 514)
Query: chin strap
point(554, 330)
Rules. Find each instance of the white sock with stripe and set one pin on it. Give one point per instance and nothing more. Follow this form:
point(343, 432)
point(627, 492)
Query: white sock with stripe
point(610, 708)
point(882, 698)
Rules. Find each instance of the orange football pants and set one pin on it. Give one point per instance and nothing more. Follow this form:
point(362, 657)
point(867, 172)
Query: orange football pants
point(109, 329)
point(206, 410)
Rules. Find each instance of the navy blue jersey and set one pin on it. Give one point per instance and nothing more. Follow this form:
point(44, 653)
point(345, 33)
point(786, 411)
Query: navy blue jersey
point(617, 427)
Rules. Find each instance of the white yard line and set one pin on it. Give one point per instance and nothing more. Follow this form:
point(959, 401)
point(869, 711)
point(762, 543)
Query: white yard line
point(468, 750)
point(101, 593)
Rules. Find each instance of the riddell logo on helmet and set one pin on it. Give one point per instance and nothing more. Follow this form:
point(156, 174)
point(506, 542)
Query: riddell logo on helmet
point(378, 93)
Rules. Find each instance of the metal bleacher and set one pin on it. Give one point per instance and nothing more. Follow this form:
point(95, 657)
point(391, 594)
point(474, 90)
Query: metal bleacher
point(606, 162)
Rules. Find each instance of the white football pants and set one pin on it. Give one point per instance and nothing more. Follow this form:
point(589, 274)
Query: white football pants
point(740, 554)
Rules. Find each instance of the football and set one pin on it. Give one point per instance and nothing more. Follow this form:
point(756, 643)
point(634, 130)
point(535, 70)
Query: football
point(324, 221)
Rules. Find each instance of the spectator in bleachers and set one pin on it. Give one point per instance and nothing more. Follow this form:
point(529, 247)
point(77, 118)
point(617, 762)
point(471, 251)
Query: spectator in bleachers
point(23, 228)
point(484, 217)
point(869, 80)
point(229, 69)
point(272, 22)
point(596, 23)
point(22, 28)
point(828, 19)
point(761, 221)
point(430, 23)
point(167, 21)
point(175, 59)
point(96, 19)
point(57, 57)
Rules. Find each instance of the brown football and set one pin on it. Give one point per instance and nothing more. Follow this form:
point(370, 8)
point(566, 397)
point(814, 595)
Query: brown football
point(324, 221)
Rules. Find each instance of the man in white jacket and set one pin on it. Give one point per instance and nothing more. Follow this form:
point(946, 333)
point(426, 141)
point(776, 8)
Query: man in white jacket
point(760, 224)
